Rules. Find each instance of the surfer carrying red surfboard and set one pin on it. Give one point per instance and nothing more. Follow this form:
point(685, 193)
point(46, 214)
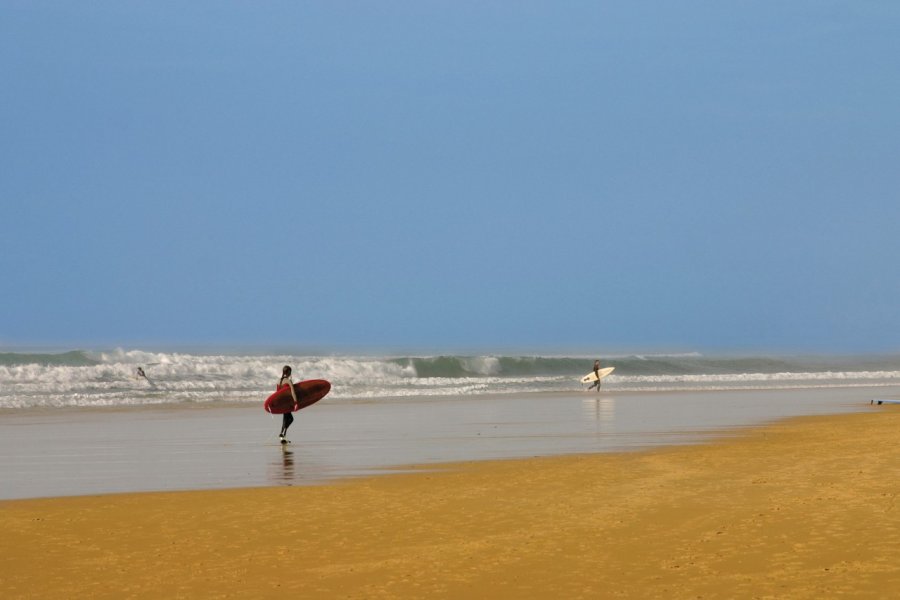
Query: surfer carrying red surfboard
point(287, 418)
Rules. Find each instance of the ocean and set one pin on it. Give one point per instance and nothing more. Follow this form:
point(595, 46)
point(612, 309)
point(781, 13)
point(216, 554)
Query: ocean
point(92, 378)
point(83, 422)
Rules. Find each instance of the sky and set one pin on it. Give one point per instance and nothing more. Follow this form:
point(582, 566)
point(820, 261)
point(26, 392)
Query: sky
point(538, 175)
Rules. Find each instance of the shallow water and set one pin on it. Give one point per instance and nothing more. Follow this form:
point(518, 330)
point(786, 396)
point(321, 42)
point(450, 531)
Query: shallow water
point(56, 452)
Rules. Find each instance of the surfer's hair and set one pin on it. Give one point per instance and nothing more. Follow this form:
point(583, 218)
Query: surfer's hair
point(285, 371)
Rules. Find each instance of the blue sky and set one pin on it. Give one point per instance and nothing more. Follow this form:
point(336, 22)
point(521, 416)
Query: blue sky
point(592, 175)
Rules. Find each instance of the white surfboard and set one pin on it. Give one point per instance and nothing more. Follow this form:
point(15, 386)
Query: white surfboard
point(591, 377)
point(884, 401)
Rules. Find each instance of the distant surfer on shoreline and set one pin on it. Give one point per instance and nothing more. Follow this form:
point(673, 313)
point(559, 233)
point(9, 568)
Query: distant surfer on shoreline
point(287, 418)
point(597, 373)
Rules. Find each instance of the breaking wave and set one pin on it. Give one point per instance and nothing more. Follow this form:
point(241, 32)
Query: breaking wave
point(86, 378)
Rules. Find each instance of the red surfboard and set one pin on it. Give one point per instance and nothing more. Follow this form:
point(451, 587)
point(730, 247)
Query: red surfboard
point(308, 392)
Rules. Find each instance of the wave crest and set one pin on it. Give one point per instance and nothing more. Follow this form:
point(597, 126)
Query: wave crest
point(80, 378)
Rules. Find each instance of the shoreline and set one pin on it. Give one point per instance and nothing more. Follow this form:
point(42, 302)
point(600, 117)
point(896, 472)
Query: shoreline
point(583, 391)
point(71, 452)
point(801, 508)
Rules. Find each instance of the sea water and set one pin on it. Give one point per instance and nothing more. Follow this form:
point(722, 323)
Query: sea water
point(82, 422)
point(81, 378)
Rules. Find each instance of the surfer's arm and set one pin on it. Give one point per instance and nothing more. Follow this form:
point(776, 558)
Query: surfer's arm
point(293, 391)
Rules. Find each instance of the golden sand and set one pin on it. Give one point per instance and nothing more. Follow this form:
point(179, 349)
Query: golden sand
point(806, 508)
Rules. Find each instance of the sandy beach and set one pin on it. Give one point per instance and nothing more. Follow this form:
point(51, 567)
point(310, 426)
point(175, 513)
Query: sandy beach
point(802, 508)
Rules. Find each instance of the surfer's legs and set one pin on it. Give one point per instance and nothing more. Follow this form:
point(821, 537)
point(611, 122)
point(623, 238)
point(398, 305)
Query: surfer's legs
point(286, 421)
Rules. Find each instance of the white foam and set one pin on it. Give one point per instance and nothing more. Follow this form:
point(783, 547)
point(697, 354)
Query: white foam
point(759, 377)
point(194, 378)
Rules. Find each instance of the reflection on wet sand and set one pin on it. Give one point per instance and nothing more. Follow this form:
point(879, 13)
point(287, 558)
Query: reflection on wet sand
point(287, 464)
point(282, 469)
point(294, 465)
point(82, 452)
point(602, 410)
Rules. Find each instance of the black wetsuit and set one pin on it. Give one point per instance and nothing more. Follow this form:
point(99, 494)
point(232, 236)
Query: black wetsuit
point(597, 373)
point(287, 418)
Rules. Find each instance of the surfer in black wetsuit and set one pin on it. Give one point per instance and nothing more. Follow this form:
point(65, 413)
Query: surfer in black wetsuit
point(287, 418)
point(597, 373)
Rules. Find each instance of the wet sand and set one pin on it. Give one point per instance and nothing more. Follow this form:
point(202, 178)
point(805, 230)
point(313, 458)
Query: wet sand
point(61, 452)
point(804, 508)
